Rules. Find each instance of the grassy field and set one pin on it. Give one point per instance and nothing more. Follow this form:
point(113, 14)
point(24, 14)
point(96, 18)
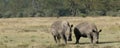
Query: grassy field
point(34, 32)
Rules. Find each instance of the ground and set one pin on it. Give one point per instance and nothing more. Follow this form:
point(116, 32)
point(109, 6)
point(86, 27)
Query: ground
point(35, 32)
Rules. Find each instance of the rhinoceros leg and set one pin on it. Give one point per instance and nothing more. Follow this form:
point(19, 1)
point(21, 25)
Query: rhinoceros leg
point(55, 38)
point(70, 37)
point(58, 38)
point(90, 37)
point(65, 39)
point(77, 39)
point(77, 35)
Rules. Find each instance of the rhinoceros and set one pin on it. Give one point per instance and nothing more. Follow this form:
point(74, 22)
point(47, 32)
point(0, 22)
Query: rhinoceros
point(87, 30)
point(59, 30)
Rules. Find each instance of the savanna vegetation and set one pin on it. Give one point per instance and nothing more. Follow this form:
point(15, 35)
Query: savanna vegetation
point(35, 33)
point(32, 31)
point(43, 8)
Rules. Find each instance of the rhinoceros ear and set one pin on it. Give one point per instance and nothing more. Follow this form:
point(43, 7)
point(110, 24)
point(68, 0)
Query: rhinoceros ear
point(71, 25)
point(100, 30)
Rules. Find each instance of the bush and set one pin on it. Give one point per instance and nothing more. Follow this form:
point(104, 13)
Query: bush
point(113, 13)
point(1, 15)
point(19, 14)
point(118, 13)
point(96, 13)
point(8, 14)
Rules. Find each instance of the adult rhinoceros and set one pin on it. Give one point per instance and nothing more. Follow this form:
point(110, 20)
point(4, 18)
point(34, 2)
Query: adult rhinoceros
point(86, 29)
point(58, 30)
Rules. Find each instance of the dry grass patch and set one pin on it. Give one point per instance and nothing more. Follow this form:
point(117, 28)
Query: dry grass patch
point(34, 32)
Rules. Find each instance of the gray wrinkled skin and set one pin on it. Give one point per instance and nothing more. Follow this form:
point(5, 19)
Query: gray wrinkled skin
point(87, 30)
point(58, 30)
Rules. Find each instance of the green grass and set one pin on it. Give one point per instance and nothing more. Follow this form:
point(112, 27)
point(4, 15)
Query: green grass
point(35, 33)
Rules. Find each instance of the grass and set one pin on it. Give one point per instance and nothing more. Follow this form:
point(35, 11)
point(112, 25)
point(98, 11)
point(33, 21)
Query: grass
point(35, 33)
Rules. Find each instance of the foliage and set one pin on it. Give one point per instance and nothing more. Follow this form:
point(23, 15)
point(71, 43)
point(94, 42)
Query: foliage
point(37, 8)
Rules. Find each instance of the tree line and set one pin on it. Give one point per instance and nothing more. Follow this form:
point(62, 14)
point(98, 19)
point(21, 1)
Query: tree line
point(45, 8)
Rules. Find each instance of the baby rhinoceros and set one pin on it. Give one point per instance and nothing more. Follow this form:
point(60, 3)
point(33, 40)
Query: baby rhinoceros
point(87, 30)
point(58, 30)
